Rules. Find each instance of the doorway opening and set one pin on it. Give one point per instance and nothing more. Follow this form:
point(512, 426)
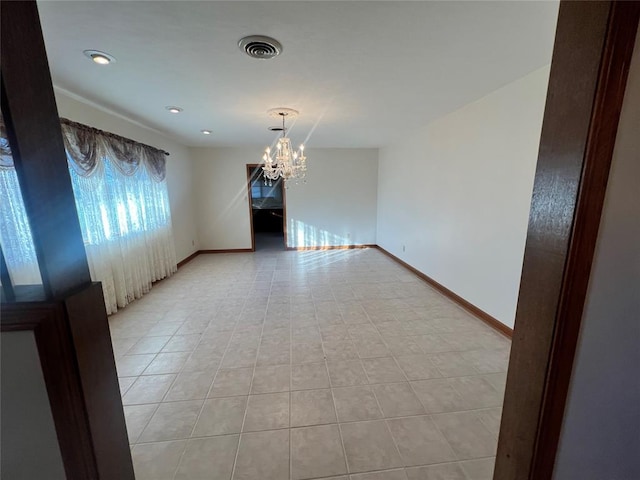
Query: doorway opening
point(267, 205)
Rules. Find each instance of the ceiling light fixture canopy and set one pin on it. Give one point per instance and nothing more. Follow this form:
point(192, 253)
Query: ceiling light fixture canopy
point(101, 58)
point(173, 109)
point(284, 162)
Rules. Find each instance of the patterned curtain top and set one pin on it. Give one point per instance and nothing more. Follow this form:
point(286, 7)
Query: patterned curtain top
point(88, 147)
point(6, 160)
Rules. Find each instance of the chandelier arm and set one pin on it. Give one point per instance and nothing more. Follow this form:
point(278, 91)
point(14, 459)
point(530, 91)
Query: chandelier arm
point(286, 163)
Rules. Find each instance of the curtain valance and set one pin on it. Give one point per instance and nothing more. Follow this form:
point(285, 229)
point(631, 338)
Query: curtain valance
point(87, 148)
point(6, 160)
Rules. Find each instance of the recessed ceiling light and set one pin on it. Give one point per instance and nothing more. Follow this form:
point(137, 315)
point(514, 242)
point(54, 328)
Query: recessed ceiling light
point(101, 58)
point(173, 109)
point(206, 132)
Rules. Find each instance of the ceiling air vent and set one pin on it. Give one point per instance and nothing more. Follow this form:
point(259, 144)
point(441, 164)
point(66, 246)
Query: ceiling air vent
point(258, 46)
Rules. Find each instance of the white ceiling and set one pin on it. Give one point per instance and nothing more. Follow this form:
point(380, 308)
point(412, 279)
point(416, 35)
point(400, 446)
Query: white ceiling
point(361, 73)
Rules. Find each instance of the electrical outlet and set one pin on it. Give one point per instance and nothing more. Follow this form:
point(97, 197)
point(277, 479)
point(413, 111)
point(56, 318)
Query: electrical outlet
point(404, 249)
point(193, 243)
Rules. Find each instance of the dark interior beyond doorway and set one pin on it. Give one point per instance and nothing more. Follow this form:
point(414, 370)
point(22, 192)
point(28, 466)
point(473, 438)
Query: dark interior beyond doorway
point(267, 211)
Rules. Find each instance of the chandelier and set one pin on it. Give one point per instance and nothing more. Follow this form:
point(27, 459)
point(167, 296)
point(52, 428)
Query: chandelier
point(284, 163)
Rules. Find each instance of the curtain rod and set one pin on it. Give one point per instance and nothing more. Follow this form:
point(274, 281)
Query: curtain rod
point(82, 126)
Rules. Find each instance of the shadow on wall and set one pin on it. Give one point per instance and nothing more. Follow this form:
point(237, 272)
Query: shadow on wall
point(300, 234)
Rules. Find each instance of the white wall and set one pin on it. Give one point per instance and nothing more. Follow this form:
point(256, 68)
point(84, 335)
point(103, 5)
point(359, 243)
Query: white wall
point(337, 206)
point(179, 164)
point(600, 437)
point(29, 444)
point(221, 198)
point(454, 197)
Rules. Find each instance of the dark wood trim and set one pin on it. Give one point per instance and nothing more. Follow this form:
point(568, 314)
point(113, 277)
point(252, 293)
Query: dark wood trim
point(33, 130)
point(250, 250)
point(593, 47)
point(202, 252)
point(182, 263)
point(78, 366)
point(70, 326)
point(285, 222)
point(93, 352)
point(8, 293)
point(59, 369)
point(329, 247)
point(228, 250)
point(26, 293)
point(612, 80)
point(250, 168)
point(471, 308)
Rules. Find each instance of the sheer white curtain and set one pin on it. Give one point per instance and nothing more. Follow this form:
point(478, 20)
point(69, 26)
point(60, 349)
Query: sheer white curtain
point(15, 233)
point(123, 207)
point(126, 226)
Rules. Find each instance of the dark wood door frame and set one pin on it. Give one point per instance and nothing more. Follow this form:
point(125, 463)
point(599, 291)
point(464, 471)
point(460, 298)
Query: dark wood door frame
point(250, 169)
point(593, 47)
point(33, 130)
point(67, 313)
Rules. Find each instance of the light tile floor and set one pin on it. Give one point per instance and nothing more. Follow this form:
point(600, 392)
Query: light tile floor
point(298, 365)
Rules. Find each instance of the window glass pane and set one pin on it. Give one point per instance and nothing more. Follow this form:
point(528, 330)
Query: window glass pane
point(15, 232)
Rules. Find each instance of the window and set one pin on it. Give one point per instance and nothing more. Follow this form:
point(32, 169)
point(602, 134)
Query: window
point(123, 210)
point(15, 232)
point(261, 191)
point(113, 205)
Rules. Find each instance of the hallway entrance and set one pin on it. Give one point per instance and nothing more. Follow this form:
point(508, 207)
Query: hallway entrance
point(267, 210)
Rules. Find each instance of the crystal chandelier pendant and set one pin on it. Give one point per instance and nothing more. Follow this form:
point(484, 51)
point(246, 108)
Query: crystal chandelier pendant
point(285, 162)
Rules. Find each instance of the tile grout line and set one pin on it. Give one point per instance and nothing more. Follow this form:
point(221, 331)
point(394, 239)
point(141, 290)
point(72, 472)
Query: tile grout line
point(348, 275)
point(345, 422)
point(146, 424)
point(385, 419)
point(419, 400)
point(425, 410)
point(159, 403)
point(244, 417)
point(206, 395)
point(335, 408)
point(290, 383)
